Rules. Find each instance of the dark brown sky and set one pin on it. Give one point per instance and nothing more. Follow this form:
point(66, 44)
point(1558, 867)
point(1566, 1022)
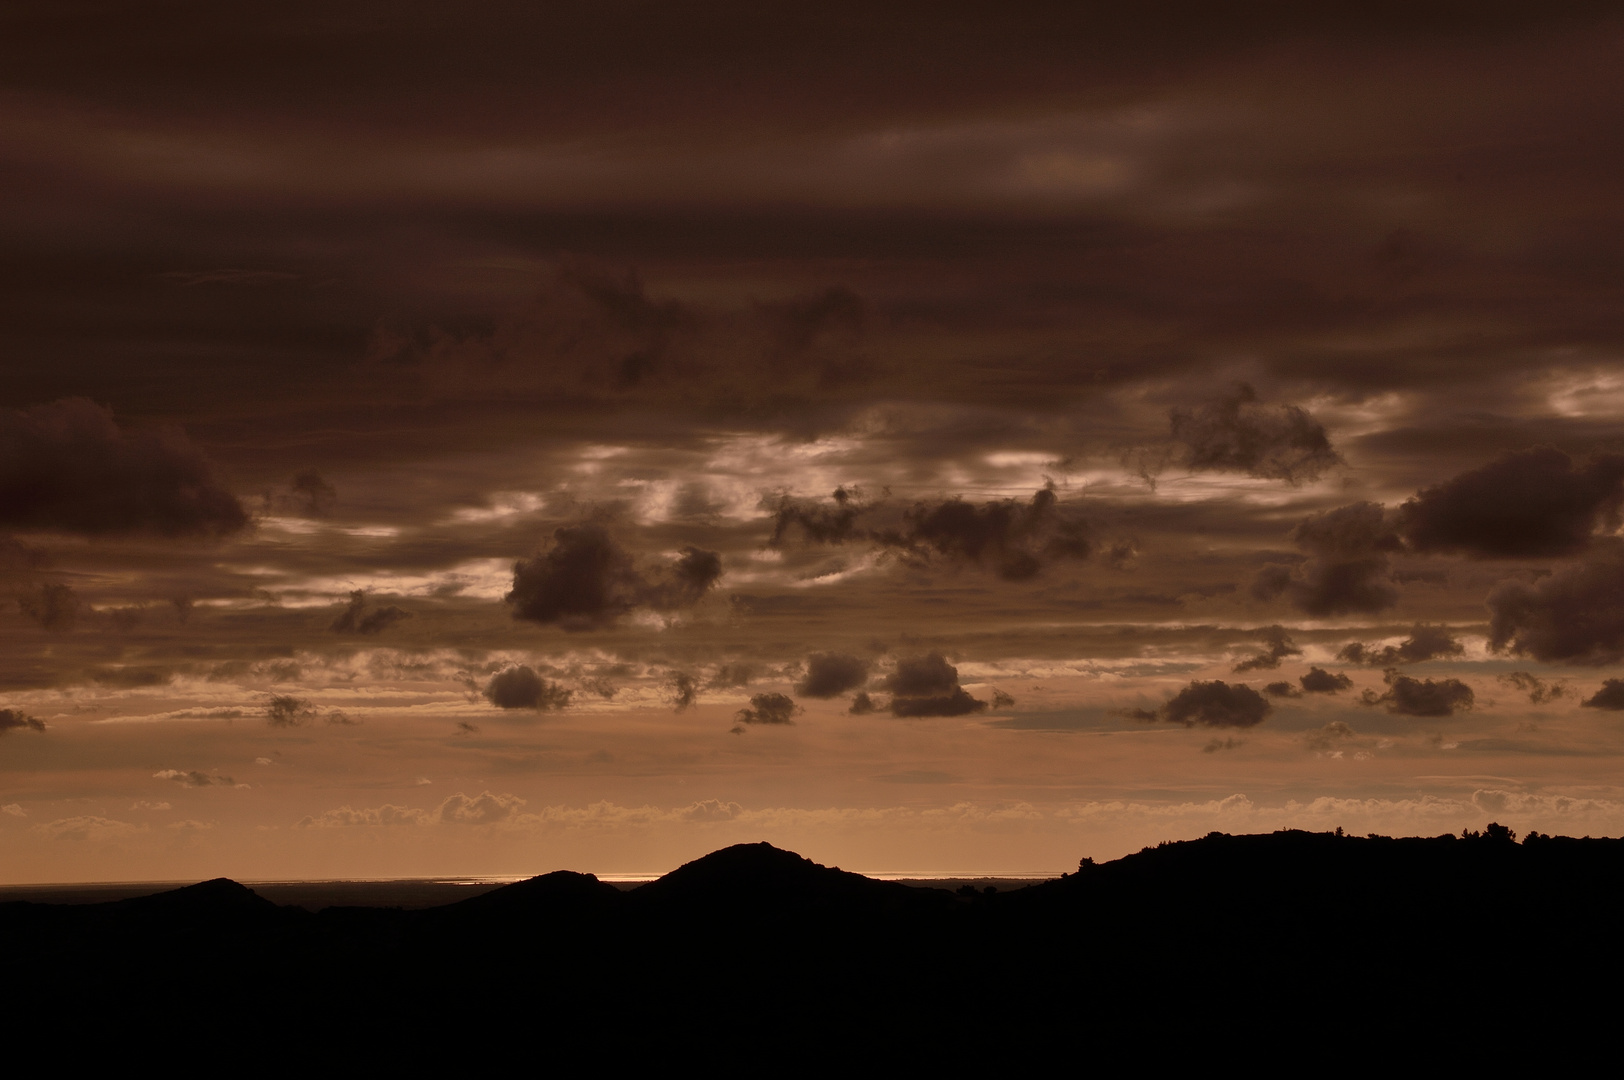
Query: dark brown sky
point(421, 430)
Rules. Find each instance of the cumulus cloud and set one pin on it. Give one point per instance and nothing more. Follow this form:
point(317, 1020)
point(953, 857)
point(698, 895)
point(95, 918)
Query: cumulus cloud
point(586, 580)
point(17, 720)
point(1573, 616)
point(862, 704)
point(1424, 643)
point(1610, 696)
point(1320, 681)
point(832, 674)
point(285, 710)
point(1281, 689)
point(928, 686)
point(485, 809)
point(1211, 704)
point(1238, 434)
point(67, 466)
point(1421, 697)
point(769, 709)
point(1346, 571)
point(1538, 690)
point(347, 816)
point(1527, 504)
point(193, 778)
point(817, 523)
point(521, 688)
point(1278, 646)
point(355, 619)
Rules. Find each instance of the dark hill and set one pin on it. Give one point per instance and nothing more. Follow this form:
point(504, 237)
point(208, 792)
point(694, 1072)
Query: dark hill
point(752, 952)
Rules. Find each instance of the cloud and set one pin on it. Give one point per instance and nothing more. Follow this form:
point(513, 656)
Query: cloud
point(13, 810)
point(1216, 704)
point(1424, 643)
point(1538, 690)
point(315, 493)
point(87, 828)
point(769, 709)
point(1327, 737)
point(832, 674)
point(486, 809)
point(1216, 745)
point(1276, 689)
point(67, 466)
point(347, 816)
point(192, 778)
point(681, 690)
point(285, 710)
point(1347, 568)
point(521, 688)
point(1421, 697)
point(53, 605)
point(928, 686)
point(1237, 434)
point(1574, 616)
point(355, 619)
point(586, 580)
point(1320, 681)
point(1015, 538)
point(17, 720)
point(862, 704)
point(1610, 696)
point(1526, 504)
point(1279, 647)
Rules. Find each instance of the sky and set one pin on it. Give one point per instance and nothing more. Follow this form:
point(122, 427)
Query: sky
point(935, 438)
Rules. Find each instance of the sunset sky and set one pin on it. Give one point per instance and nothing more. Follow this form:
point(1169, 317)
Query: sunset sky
point(488, 439)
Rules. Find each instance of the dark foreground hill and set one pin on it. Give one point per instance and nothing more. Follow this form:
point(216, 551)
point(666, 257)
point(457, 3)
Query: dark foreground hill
point(1219, 943)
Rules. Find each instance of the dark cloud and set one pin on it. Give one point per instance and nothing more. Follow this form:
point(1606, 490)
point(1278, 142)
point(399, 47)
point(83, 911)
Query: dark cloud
point(17, 720)
point(1279, 647)
point(1538, 690)
point(682, 690)
point(316, 494)
point(1002, 700)
point(1237, 434)
point(1347, 567)
point(1527, 504)
point(920, 676)
point(1610, 696)
point(928, 686)
point(355, 619)
point(769, 709)
point(815, 522)
point(862, 704)
point(1215, 745)
point(586, 580)
point(1015, 538)
point(465, 728)
point(1421, 697)
point(285, 710)
point(1424, 643)
point(1320, 681)
point(1573, 616)
point(1211, 704)
point(54, 606)
point(521, 688)
point(67, 466)
point(956, 703)
point(1282, 689)
point(832, 674)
